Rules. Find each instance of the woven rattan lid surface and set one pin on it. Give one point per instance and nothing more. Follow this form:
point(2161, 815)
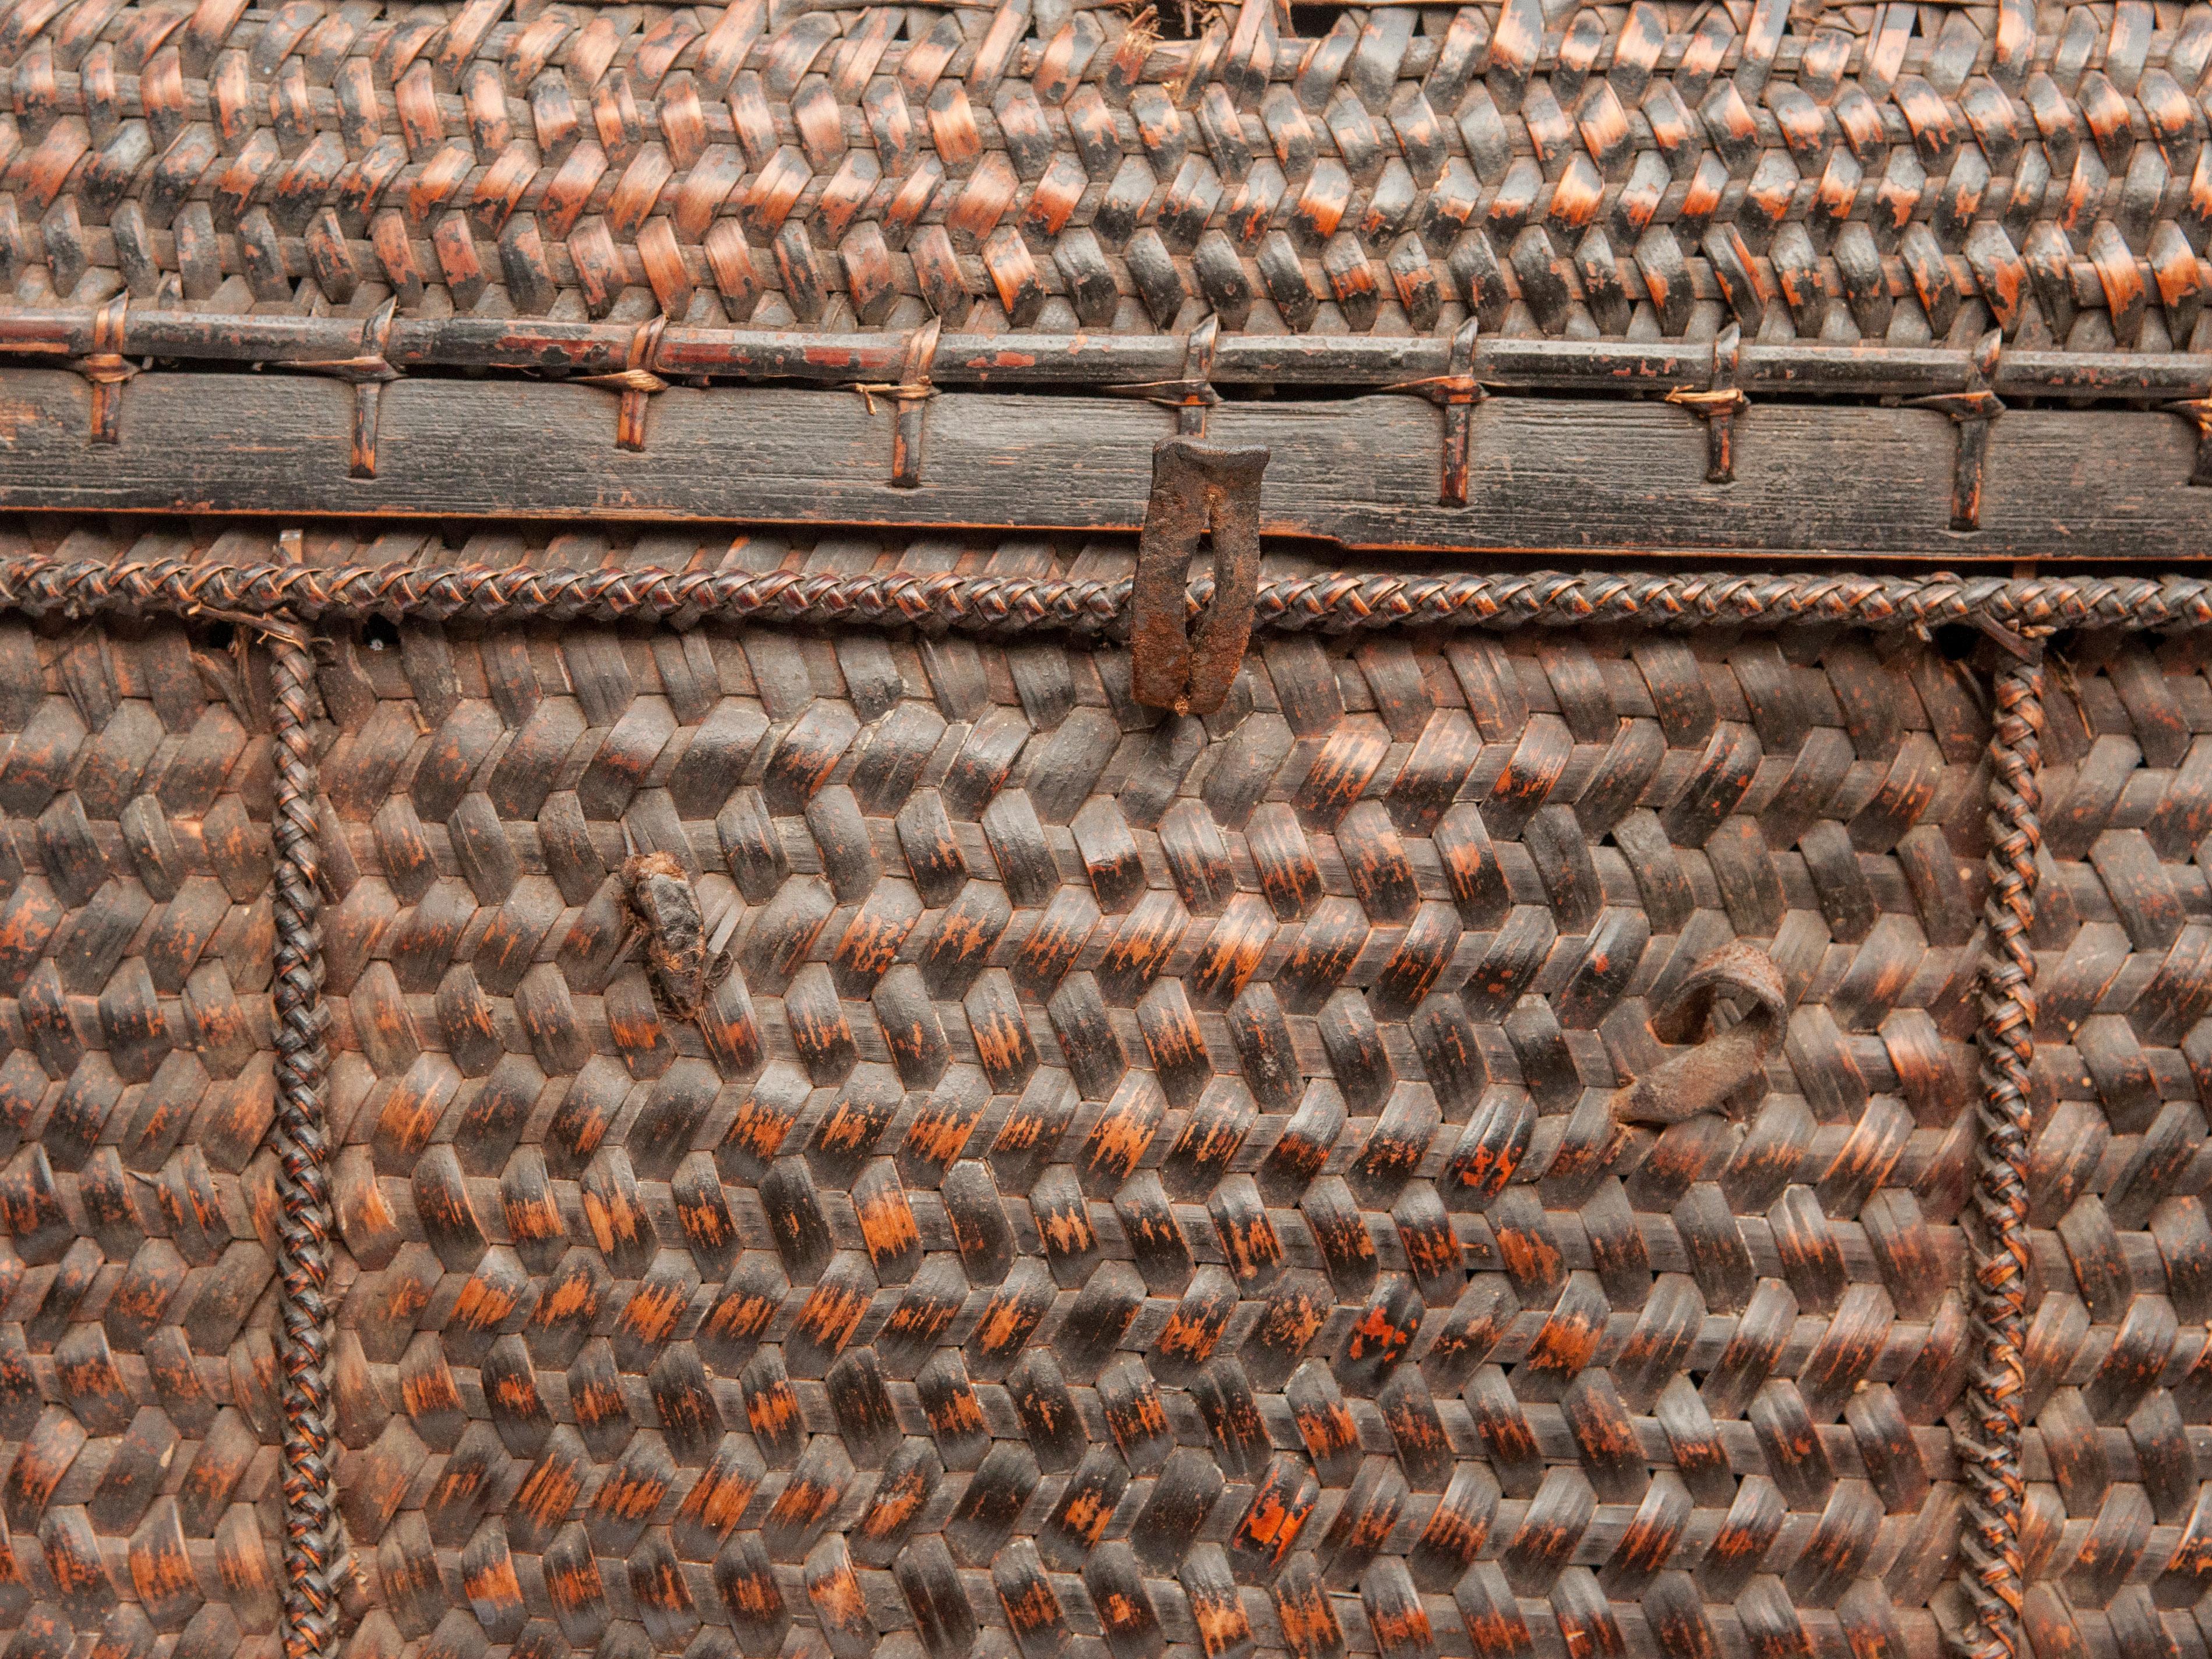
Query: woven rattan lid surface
point(1894, 173)
point(1143, 1185)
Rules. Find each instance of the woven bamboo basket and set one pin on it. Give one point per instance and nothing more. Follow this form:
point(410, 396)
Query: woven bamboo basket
point(667, 988)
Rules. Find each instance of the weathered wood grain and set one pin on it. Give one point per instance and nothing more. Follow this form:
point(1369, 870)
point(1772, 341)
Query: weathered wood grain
point(1548, 476)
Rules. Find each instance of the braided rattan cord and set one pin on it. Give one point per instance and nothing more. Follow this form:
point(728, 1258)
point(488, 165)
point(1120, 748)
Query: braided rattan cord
point(1990, 1571)
point(304, 1258)
point(1335, 603)
point(1062, 167)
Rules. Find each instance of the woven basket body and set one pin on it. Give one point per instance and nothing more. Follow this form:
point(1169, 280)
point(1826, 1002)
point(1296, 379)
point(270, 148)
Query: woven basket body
point(1141, 1183)
point(576, 1083)
point(1905, 175)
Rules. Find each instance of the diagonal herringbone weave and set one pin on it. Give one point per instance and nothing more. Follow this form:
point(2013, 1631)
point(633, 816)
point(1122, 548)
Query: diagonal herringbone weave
point(1144, 1185)
point(1894, 173)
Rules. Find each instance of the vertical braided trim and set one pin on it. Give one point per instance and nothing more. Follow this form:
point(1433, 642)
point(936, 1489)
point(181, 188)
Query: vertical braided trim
point(1989, 1569)
point(303, 1186)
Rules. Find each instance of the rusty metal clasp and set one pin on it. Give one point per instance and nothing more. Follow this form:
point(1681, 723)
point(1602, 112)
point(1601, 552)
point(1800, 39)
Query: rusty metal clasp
point(1197, 487)
point(1713, 1076)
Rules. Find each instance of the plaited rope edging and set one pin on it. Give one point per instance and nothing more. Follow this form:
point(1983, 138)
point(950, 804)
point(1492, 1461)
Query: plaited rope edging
point(276, 599)
point(1335, 603)
point(1989, 1446)
point(311, 1537)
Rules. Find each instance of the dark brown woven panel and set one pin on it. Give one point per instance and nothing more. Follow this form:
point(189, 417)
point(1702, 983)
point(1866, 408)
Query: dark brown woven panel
point(1148, 1171)
point(2118, 1517)
point(700, 1338)
point(139, 1391)
point(1901, 174)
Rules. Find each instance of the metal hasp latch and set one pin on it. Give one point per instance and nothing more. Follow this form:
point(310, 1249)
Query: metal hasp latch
point(1197, 487)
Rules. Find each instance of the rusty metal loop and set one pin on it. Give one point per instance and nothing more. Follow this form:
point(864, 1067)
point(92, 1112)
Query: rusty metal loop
point(1711, 1076)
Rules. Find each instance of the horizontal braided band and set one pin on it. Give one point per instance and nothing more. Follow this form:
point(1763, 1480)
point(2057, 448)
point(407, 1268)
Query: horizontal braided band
point(1328, 603)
